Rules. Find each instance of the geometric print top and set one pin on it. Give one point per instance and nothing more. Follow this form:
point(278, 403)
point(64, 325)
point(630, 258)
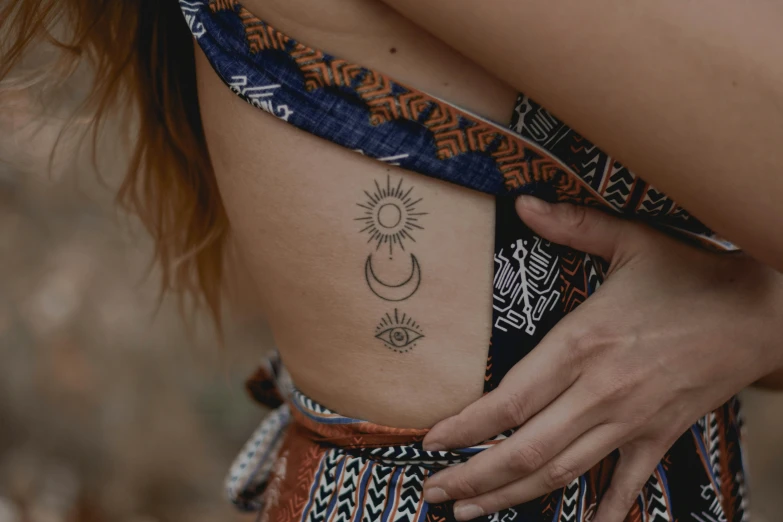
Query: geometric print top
point(308, 463)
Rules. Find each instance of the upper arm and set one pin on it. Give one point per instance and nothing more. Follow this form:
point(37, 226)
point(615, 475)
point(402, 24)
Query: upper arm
point(693, 104)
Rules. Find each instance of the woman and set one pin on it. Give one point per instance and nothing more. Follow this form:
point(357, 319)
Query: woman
point(379, 292)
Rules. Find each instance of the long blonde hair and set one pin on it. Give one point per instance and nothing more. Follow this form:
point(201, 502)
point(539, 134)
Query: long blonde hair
point(142, 55)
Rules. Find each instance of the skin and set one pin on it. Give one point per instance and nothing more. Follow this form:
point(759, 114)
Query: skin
point(689, 97)
point(622, 371)
point(291, 200)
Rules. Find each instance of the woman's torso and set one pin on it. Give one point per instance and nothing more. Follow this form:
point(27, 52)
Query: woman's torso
point(307, 215)
point(297, 204)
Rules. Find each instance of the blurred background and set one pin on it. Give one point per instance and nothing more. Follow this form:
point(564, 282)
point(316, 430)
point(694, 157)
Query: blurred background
point(109, 410)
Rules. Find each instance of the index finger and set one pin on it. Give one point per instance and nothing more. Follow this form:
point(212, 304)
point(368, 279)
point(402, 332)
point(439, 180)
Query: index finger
point(528, 387)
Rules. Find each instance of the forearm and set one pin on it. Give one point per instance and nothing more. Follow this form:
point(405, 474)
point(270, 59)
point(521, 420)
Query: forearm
point(688, 95)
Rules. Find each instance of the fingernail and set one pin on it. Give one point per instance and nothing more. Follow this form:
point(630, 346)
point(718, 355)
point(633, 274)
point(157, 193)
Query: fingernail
point(533, 204)
point(432, 446)
point(435, 495)
point(430, 443)
point(467, 512)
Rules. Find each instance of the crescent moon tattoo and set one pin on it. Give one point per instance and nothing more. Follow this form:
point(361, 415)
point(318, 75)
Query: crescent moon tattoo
point(393, 292)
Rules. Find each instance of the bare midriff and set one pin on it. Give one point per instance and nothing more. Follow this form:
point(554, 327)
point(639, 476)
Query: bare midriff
point(308, 215)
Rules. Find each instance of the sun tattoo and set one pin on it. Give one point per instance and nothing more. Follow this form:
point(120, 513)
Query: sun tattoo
point(398, 333)
point(390, 216)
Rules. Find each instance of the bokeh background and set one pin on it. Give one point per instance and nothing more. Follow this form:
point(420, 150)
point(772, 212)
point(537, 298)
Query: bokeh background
point(109, 409)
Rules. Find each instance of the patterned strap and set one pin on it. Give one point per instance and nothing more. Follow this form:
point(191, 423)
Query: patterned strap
point(370, 113)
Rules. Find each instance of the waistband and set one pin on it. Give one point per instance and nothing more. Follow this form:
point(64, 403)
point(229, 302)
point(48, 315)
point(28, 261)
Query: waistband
point(302, 420)
point(306, 462)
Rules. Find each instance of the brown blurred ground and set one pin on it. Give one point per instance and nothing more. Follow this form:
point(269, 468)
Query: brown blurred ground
point(109, 412)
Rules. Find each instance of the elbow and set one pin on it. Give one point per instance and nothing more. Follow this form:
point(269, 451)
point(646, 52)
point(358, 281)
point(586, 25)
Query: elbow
point(773, 381)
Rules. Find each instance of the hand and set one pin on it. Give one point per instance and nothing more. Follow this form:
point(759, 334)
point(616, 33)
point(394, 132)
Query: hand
point(672, 334)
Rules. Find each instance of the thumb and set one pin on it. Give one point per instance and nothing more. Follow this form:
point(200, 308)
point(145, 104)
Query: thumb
point(580, 228)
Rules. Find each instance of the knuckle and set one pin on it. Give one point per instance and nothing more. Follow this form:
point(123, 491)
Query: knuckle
point(503, 501)
point(559, 475)
point(616, 504)
point(462, 486)
point(575, 216)
point(627, 496)
point(623, 497)
point(618, 387)
point(586, 342)
point(621, 386)
point(498, 501)
point(460, 435)
point(514, 410)
point(527, 458)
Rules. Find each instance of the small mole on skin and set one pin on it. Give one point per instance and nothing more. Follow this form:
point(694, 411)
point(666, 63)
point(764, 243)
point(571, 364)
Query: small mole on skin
point(393, 50)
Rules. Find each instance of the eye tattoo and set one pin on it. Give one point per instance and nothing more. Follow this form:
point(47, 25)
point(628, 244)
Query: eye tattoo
point(390, 216)
point(398, 333)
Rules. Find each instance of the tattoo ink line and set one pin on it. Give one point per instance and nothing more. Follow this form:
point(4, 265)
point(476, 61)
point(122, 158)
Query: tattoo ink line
point(390, 216)
point(398, 334)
